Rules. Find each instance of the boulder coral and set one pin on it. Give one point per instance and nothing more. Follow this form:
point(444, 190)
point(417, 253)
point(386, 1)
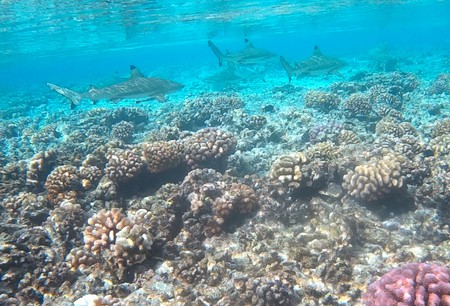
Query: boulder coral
point(373, 180)
point(117, 238)
point(63, 183)
point(161, 155)
point(123, 165)
point(207, 146)
point(414, 284)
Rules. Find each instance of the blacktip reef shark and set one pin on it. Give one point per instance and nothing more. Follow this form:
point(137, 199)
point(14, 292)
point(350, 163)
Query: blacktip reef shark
point(249, 56)
point(316, 64)
point(136, 87)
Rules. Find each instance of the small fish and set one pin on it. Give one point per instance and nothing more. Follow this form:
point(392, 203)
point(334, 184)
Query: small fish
point(248, 56)
point(136, 87)
point(316, 64)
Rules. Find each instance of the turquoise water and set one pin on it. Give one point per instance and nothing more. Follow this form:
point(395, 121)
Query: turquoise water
point(64, 41)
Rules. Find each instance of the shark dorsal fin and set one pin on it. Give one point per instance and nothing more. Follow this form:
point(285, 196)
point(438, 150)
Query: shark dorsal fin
point(248, 44)
point(135, 73)
point(317, 51)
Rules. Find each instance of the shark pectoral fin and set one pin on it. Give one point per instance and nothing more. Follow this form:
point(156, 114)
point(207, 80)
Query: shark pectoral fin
point(160, 98)
point(135, 73)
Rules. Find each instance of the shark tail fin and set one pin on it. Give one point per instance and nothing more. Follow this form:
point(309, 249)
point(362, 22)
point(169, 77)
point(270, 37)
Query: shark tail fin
point(287, 67)
point(73, 96)
point(217, 52)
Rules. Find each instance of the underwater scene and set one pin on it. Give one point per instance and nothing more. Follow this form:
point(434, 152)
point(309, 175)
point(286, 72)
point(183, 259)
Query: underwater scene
point(225, 152)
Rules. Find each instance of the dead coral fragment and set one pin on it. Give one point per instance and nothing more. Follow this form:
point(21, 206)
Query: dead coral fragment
point(373, 180)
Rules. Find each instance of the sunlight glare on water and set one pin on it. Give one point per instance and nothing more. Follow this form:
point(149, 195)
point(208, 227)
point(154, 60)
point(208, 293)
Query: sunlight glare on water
point(50, 28)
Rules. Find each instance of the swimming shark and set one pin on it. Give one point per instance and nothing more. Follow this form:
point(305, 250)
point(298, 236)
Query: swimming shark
point(249, 56)
point(136, 87)
point(316, 64)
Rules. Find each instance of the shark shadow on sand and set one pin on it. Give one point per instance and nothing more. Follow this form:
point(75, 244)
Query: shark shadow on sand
point(316, 64)
point(136, 87)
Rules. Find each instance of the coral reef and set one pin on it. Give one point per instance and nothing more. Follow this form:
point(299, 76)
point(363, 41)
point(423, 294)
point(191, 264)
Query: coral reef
point(227, 199)
point(374, 179)
point(63, 183)
point(161, 155)
point(441, 84)
point(358, 105)
point(123, 165)
point(119, 240)
point(123, 131)
point(208, 146)
point(321, 100)
point(411, 284)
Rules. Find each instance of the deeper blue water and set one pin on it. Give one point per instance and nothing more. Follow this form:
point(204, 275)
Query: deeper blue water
point(91, 41)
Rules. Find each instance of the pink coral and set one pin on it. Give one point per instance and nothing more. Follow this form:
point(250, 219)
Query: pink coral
point(414, 284)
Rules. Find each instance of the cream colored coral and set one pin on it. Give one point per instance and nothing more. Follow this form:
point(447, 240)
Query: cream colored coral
point(113, 232)
point(287, 169)
point(373, 180)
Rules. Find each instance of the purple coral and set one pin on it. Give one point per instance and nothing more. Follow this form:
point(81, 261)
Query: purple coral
point(414, 284)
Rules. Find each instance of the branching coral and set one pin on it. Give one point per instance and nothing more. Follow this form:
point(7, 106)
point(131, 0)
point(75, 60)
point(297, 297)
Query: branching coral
point(325, 132)
point(440, 128)
point(372, 180)
point(417, 284)
point(214, 200)
point(90, 171)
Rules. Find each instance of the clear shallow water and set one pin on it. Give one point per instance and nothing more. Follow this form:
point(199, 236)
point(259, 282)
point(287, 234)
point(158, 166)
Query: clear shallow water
point(44, 40)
